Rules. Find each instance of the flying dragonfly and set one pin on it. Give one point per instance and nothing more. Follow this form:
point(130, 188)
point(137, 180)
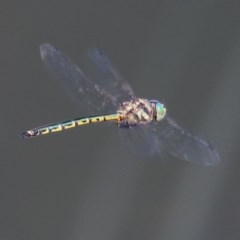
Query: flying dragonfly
point(107, 97)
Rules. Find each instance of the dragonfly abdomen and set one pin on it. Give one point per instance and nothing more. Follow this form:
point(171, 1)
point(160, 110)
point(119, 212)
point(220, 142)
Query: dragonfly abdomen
point(57, 127)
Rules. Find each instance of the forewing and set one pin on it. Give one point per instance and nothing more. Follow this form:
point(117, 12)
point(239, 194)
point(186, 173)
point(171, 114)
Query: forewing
point(166, 137)
point(181, 144)
point(91, 97)
point(102, 72)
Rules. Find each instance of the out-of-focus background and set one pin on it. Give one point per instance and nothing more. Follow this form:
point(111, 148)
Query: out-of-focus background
point(83, 184)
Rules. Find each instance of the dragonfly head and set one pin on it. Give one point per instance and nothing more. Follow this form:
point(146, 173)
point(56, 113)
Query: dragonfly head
point(160, 110)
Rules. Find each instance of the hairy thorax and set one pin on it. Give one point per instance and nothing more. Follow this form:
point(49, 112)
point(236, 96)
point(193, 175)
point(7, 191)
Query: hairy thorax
point(135, 112)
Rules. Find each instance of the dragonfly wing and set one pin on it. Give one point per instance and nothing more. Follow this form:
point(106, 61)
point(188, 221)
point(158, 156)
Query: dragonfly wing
point(181, 144)
point(141, 140)
point(166, 137)
point(91, 96)
point(102, 72)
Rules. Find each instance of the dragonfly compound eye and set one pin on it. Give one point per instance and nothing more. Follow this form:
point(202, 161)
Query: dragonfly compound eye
point(160, 111)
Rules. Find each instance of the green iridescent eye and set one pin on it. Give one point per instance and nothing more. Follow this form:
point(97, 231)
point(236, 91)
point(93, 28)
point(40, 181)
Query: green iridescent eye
point(160, 111)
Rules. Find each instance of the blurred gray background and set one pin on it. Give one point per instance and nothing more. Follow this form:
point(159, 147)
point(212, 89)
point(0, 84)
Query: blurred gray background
point(83, 184)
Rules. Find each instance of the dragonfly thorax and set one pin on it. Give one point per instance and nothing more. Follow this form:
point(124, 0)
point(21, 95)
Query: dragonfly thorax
point(136, 112)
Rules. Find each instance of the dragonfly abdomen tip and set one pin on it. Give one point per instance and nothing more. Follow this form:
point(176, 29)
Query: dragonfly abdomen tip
point(28, 134)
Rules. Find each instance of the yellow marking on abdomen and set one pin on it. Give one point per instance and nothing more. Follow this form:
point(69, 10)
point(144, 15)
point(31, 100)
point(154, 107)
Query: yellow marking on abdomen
point(112, 117)
point(44, 130)
point(82, 121)
point(97, 119)
point(68, 124)
point(57, 127)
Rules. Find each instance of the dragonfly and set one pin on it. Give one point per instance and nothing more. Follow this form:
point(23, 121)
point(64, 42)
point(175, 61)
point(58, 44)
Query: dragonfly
point(143, 124)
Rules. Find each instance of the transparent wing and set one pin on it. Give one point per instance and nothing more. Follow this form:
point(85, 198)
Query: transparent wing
point(102, 72)
point(92, 97)
point(166, 137)
point(181, 144)
point(141, 140)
